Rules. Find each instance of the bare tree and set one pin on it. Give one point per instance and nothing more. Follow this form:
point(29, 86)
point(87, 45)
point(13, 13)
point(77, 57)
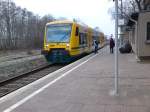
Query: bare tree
point(139, 4)
point(20, 28)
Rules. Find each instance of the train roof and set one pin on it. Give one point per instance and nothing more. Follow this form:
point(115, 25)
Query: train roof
point(67, 22)
point(71, 22)
point(60, 22)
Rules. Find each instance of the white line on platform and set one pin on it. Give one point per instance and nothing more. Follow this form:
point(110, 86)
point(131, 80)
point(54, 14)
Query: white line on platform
point(11, 108)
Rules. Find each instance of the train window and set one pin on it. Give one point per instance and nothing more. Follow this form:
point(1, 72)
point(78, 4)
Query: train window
point(80, 38)
point(83, 39)
point(77, 31)
point(148, 31)
point(58, 33)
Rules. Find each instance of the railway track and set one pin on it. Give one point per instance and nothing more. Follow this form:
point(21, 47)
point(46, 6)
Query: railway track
point(11, 84)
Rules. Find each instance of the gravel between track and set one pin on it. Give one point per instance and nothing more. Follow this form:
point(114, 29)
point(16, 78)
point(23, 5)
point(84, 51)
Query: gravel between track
point(20, 65)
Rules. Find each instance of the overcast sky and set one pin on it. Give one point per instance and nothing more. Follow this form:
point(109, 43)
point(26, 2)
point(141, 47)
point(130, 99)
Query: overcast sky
point(91, 12)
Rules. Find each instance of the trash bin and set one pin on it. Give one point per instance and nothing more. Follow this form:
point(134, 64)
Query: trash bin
point(126, 48)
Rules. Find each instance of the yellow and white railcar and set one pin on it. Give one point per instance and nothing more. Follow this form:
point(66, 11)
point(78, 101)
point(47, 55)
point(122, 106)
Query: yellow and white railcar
point(66, 40)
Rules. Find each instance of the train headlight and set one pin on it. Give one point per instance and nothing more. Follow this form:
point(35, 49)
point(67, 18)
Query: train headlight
point(67, 45)
point(46, 45)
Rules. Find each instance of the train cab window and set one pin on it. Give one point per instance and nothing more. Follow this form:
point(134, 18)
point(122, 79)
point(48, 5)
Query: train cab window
point(77, 31)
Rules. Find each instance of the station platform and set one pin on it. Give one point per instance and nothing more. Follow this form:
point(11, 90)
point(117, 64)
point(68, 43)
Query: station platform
point(86, 86)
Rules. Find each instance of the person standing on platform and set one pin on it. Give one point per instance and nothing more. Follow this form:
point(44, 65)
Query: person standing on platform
point(111, 44)
point(95, 46)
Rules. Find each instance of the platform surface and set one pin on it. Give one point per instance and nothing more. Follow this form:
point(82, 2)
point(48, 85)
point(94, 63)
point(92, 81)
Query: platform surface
point(86, 86)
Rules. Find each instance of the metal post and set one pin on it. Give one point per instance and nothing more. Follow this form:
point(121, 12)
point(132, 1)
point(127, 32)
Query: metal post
point(116, 47)
point(121, 36)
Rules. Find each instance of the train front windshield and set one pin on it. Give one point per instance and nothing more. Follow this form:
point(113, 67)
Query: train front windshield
point(58, 33)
